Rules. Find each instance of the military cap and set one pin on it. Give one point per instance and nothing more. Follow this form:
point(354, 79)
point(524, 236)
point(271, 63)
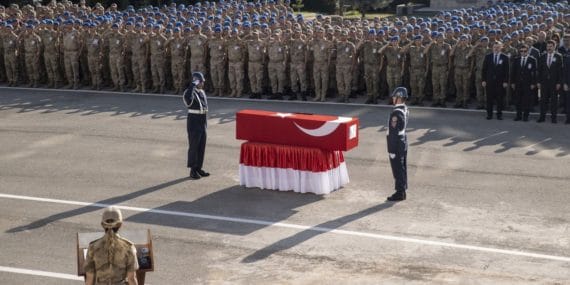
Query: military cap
point(380, 32)
point(401, 92)
point(394, 38)
point(371, 31)
point(111, 218)
point(217, 29)
point(418, 37)
point(484, 39)
point(464, 37)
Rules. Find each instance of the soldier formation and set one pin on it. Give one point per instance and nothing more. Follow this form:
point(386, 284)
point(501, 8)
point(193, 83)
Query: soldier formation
point(262, 48)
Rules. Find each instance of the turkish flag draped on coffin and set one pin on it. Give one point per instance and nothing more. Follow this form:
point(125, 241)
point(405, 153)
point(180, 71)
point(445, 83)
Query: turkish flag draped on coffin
point(299, 152)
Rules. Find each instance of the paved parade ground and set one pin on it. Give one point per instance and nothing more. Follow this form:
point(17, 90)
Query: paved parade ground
point(488, 201)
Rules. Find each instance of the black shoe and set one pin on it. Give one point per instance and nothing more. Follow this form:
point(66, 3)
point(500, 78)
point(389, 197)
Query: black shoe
point(489, 117)
point(203, 173)
point(304, 96)
point(458, 105)
point(398, 196)
point(293, 97)
point(525, 119)
point(435, 104)
point(499, 117)
point(540, 120)
point(342, 100)
point(480, 107)
point(517, 118)
point(194, 175)
point(567, 122)
point(253, 96)
point(277, 96)
point(369, 101)
point(443, 105)
point(554, 120)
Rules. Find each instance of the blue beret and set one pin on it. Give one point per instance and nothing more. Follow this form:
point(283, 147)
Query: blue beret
point(418, 37)
point(394, 38)
point(484, 39)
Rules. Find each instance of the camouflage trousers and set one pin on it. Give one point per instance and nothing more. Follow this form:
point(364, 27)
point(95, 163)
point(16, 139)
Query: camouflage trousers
point(344, 80)
point(71, 64)
point(481, 96)
point(33, 67)
point(394, 77)
point(178, 75)
point(462, 79)
point(298, 76)
point(235, 78)
point(255, 72)
point(157, 68)
point(277, 76)
point(51, 63)
point(94, 63)
point(372, 80)
point(218, 73)
point(321, 77)
point(418, 82)
point(439, 81)
point(116, 64)
point(140, 71)
point(11, 65)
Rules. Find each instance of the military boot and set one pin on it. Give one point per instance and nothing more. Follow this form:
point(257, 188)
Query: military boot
point(398, 196)
point(293, 97)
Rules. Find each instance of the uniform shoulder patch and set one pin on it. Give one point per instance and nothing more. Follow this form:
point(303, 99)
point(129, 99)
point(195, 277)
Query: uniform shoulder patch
point(394, 121)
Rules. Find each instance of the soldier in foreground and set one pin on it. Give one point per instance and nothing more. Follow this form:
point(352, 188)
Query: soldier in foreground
point(398, 143)
point(111, 259)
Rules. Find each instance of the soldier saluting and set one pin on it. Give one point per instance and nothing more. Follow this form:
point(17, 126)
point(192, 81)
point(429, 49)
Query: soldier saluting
point(398, 143)
point(196, 123)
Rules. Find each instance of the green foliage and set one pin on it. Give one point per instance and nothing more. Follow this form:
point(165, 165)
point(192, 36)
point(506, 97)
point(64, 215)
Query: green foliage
point(298, 5)
point(322, 6)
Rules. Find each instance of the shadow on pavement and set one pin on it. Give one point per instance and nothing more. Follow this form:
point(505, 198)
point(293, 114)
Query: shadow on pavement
point(450, 127)
point(87, 209)
point(234, 202)
point(308, 234)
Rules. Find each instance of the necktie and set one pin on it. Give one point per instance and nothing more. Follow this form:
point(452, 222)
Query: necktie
point(496, 59)
point(523, 61)
point(549, 60)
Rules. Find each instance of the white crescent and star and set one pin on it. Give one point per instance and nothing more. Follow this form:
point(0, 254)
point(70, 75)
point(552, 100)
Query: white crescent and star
point(326, 129)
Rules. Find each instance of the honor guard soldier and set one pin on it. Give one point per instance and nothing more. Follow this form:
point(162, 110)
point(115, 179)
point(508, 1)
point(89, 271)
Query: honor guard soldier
point(196, 123)
point(398, 142)
point(111, 259)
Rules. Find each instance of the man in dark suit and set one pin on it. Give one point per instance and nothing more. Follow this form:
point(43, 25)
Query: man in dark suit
point(196, 124)
point(564, 50)
point(523, 78)
point(495, 74)
point(550, 70)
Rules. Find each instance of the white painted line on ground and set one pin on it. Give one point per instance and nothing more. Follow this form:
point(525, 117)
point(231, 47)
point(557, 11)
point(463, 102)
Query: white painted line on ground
point(40, 273)
point(298, 227)
point(535, 144)
point(254, 100)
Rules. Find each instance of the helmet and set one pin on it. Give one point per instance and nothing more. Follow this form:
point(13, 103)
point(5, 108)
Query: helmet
point(401, 92)
point(198, 76)
point(111, 218)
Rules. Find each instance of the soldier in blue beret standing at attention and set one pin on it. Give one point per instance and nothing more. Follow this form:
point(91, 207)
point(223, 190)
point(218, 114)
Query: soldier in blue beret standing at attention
point(196, 124)
point(398, 142)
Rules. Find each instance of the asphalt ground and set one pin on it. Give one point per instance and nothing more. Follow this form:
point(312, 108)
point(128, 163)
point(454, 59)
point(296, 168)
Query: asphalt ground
point(487, 200)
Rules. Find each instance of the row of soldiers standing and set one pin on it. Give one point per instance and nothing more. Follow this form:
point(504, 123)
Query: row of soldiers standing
point(261, 61)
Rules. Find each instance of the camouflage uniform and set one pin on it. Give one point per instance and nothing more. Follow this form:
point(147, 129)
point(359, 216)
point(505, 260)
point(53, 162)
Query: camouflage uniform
point(277, 53)
point(32, 48)
point(345, 63)
point(71, 48)
point(369, 53)
point(418, 72)
point(257, 52)
point(178, 49)
point(439, 59)
point(51, 46)
point(237, 51)
point(298, 66)
point(321, 50)
point(10, 43)
point(157, 63)
point(218, 55)
point(462, 75)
